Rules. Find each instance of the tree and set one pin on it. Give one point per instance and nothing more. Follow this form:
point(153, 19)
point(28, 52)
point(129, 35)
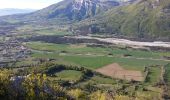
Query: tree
point(5, 87)
point(77, 94)
point(35, 86)
point(98, 95)
point(122, 97)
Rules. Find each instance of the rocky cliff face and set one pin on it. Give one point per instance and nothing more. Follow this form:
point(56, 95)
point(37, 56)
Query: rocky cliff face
point(82, 9)
point(76, 9)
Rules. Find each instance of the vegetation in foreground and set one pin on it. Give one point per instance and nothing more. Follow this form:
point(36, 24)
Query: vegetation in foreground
point(67, 71)
point(49, 82)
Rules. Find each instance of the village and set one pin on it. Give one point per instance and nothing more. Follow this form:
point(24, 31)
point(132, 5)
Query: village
point(11, 51)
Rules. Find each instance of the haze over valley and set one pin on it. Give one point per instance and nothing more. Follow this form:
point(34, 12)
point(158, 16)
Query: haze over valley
point(11, 11)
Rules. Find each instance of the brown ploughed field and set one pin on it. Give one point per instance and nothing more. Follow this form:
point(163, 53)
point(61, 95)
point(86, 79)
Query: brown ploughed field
point(116, 71)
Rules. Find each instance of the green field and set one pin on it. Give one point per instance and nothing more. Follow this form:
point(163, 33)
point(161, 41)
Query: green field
point(167, 74)
point(167, 79)
point(97, 62)
point(82, 49)
point(94, 62)
point(79, 49)
point(154, 75)
point(96, 57)
point(69, 75)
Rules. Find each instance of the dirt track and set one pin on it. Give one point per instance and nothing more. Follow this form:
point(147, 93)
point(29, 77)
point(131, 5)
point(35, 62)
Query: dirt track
point(116, 71)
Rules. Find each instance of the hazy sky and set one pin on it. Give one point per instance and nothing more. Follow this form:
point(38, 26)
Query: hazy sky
point(33, 4)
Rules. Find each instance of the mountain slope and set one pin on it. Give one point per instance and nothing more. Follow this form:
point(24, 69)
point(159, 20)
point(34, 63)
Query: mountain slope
point(62, 13)
point(143, 19)
point(131, 18)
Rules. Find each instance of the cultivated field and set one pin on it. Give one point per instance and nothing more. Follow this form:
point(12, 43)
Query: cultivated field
point(96, 57)
point(116, 71)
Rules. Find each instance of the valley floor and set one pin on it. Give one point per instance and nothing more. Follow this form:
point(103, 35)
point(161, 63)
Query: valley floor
point(131, 69)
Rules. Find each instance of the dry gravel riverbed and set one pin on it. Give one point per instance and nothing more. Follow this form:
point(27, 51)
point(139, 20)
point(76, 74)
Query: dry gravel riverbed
point(128, 42)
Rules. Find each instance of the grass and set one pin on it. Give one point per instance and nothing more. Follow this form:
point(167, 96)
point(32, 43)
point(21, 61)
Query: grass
point(97, 62)
point(153, 75)
point(150, 95)
point(64, 47)
point(137, 64)
point(89, 62)
point(83, 49)
point(140, 53)
point(85, 61)
point(101, 80)
point(167, 74)
point(167, 78)
point(69, 75)
point(94, 62)
point(96, 57)
point(26, 63)
point(53, 32)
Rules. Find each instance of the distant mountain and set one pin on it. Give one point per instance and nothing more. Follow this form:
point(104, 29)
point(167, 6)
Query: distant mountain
point(66, 11)
point(10, 11)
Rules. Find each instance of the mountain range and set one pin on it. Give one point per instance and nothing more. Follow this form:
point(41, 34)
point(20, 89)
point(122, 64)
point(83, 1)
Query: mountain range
point(11, 11)
point(131, 18)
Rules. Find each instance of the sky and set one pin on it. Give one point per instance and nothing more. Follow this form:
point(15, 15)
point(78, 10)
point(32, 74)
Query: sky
point(24, 4)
